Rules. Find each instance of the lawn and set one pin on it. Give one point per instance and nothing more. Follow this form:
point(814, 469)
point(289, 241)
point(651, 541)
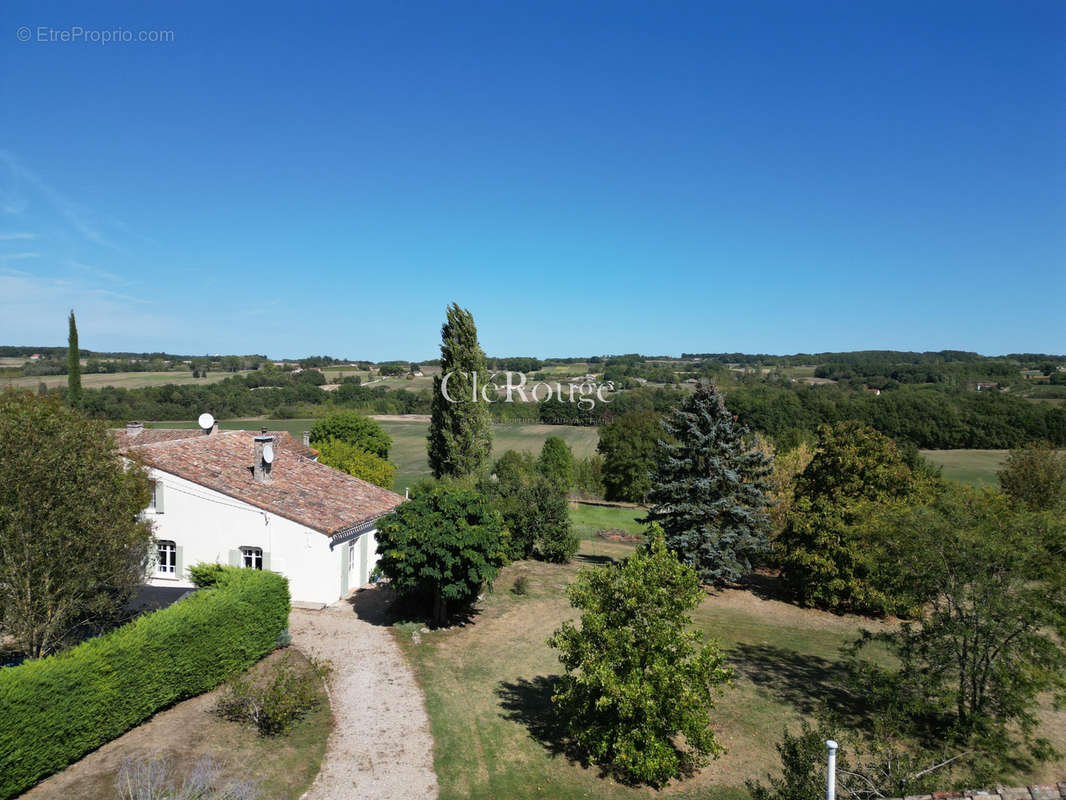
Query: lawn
point(487, 687)
point(283, 767)
point(975, 467)
point(589, 519)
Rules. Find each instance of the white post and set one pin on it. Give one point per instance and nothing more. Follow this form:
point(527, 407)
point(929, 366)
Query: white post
point(831, 771)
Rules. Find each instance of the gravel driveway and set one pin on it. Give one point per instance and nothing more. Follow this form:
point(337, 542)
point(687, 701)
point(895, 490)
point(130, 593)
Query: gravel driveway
point(381, 747)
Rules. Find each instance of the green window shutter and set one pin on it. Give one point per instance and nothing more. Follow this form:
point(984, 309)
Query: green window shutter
point(364, 556)
point(235, 558)
point(266, 560)
point(179, 563)
point(158, 497)
point(344, 569)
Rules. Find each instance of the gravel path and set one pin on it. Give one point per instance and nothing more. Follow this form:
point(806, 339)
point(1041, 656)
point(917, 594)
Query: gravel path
point(381, 746)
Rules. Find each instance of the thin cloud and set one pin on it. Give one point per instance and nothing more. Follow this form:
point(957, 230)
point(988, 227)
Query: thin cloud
point(10, 237)
point(77, 216)
point(99, 273)
point(18, 256)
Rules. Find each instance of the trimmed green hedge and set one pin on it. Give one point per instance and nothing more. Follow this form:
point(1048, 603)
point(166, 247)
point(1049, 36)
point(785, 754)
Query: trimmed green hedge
point(56, 709)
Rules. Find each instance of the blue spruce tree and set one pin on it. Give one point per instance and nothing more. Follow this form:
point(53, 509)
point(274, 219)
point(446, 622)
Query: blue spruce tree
point(710, 489)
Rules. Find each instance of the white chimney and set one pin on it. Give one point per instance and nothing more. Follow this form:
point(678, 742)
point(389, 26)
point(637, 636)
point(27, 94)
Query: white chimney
point(307, 438)
point(134, 428)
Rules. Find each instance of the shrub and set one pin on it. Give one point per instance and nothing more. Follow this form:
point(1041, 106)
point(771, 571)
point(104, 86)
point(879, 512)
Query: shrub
point(357, 462)
point(640, 683)
point(151, 779)
point(556, 463)
point(354, 428)
point(441, 547)
point(205, 575)
point(56, 709)
point(521, 585)
point(274, 702)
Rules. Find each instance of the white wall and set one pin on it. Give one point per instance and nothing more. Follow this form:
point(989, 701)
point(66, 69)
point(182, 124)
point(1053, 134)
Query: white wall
point(208, 526)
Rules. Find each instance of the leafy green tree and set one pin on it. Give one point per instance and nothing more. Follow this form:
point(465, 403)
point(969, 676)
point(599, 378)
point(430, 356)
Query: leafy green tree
point(534, 510)
point(73, 365)
point(629, 444)
point(357, 462)
point(460, 429)
point(711, 489)
point(557, 463)
point(352, 428)
point(638, 678)
point(441, 547)
point(988, 586)
point(1034, 477)
point(73, 547)
point(867, 769)
point(829, 556)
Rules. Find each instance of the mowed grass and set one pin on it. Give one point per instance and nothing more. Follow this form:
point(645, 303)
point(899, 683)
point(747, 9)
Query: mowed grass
point(488, 685)
point(589, 519)
point(977, 468)
point(488, 688)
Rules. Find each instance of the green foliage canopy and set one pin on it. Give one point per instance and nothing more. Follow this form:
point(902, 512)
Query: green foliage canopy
point(460, 430)
point(356, 461)
point(442, 547)
point(829, 558)
point(629, 445)
point(1034, 477)
point(352, 428)
point(73, 547)
point(710, 489)
point(637, 676)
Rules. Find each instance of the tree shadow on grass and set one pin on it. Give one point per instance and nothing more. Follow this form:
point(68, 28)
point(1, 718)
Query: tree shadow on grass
point(380, 605)
point(811, 684)
point(528, 702)
point(592, 560)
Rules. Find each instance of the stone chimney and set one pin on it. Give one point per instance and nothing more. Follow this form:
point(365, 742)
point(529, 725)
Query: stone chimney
point(307, 438)
point(260, 468)
point(134, 428)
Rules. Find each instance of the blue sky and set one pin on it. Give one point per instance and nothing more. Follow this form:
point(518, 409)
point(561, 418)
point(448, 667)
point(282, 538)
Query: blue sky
point(585, 177)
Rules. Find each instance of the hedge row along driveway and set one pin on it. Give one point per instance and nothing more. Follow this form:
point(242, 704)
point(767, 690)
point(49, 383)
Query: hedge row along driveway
point(57, 709)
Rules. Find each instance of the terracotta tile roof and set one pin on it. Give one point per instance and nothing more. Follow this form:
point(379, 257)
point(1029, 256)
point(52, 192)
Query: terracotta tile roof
point(152, 435)
point(302, 490)
point(125, 440)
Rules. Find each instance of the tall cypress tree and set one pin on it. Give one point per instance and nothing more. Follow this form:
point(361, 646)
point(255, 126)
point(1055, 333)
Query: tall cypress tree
point(73, 365)
point(460, 431)
point(710, 489)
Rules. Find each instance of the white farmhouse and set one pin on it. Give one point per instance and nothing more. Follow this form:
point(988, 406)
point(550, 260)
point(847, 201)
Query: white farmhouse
point(259, 501)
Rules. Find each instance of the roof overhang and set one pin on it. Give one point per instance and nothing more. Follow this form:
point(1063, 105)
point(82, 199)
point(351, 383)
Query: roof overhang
point(351, 532)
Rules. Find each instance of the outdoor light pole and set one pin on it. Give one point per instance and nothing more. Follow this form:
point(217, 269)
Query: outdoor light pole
point(831, 771)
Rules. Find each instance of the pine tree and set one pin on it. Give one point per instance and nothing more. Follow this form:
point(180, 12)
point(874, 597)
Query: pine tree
point(460, 431)
point(711, 489)
point(73, 365)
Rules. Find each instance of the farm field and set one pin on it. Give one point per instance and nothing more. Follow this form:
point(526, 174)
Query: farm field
point(488, 685)
point(124, 380)
point(409, 440)
point(978, 468)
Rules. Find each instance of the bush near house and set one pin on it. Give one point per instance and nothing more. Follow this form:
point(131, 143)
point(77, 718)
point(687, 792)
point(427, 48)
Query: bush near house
point(57, 709)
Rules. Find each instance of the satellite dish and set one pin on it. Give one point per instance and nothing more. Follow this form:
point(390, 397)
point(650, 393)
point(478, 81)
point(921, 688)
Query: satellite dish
point(207, 422)
point(268, 454)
